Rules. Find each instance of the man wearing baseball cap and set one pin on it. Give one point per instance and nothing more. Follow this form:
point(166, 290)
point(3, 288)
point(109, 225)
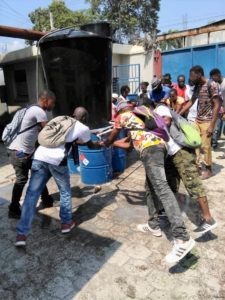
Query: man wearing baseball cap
point(158, 92)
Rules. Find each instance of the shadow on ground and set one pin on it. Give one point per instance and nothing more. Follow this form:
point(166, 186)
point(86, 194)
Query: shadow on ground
point(52, 266)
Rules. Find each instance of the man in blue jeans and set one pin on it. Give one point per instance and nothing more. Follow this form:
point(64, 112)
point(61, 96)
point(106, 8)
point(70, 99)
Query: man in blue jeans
point(52, 162)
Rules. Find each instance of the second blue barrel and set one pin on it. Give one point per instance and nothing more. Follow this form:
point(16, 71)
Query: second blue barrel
point(119, 156)
point(95, 165)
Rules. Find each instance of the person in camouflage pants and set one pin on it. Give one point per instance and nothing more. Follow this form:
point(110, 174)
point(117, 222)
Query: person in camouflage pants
point(180, 164)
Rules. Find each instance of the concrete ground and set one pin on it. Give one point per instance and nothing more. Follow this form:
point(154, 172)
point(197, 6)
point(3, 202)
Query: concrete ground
point(105, 257)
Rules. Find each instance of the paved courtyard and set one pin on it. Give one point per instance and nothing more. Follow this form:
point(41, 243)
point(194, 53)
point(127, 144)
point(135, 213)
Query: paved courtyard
point(105, 257)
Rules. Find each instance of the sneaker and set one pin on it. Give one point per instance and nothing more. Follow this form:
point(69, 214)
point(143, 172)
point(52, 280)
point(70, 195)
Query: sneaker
point(20, 240)
point(65, 228)
point(146, 228)
point(14, 213)
point(180, 249)
point(206, 226)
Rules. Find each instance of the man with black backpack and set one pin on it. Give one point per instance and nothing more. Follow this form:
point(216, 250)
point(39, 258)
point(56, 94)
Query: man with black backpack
point(20, 137)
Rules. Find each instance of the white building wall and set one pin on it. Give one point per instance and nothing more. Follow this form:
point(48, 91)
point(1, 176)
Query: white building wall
point(205, 39)
point(217, 37)
point(116, 59)
point(197, 40)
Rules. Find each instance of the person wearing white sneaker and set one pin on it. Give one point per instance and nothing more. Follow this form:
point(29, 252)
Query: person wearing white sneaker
point(180, 249)
point(146, 229)
point(153, 153)
point(180, 165)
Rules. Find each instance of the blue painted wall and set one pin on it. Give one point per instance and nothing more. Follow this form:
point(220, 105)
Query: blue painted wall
point(180, 61)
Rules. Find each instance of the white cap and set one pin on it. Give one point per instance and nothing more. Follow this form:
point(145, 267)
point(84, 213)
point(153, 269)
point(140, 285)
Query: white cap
point(163, 111)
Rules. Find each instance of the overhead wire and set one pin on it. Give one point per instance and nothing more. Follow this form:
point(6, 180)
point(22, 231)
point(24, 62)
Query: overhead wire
point(7, 13)
point(12, 9)
point(193, 21)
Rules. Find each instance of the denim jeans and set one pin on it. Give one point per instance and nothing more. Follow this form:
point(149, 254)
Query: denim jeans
point(40, 174)
point(159, 193)
point(217, 132)
point(22, 167)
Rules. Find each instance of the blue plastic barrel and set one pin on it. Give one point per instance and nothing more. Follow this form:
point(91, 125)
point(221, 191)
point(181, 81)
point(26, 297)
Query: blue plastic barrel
point(133, 97)
point(119, 156)
point(73, 161)
point(95, 165)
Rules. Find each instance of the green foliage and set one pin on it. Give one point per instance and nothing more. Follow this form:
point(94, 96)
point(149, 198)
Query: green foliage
point(62, 16)
point(131, 20)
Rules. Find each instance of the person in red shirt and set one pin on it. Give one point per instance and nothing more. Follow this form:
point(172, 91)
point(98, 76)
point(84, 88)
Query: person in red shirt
point(181, 86)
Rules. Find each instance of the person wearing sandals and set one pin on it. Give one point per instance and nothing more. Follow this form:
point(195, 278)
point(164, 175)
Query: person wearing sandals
point(153, 151)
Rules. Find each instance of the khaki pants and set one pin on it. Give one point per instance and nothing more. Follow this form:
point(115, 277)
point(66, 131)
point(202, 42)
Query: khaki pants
point(206, 144)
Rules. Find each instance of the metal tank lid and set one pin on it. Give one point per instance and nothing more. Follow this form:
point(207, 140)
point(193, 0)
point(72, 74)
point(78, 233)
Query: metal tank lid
point(67, 33)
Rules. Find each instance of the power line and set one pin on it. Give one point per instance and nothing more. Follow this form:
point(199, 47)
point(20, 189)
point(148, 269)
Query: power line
point(178, 19)
point(192, 21)
point(12, 9)
point(11, 15)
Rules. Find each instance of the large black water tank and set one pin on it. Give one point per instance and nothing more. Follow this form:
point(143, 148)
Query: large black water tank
point(78, 69)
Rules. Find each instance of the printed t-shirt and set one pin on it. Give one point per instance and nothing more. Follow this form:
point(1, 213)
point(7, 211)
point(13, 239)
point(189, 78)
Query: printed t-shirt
point(205, 102)
point(141, 139)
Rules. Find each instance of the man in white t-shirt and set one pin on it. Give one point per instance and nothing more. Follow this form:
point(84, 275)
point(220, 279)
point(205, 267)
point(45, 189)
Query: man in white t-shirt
point(52, 162)
point(22, 147)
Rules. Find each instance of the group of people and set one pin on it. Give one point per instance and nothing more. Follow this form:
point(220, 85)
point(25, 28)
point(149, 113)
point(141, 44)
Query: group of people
point(165, 161)
point(201, 102)
point(43, 162)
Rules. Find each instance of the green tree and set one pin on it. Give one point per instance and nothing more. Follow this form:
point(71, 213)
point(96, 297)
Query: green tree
point(62, 16)
point(131, 20)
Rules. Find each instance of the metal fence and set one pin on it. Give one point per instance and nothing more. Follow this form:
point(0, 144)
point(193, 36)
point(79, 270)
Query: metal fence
point(126, 75)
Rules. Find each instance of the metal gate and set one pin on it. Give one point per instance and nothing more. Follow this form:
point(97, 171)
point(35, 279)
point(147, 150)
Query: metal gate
point(126, 75)
point(180, 61)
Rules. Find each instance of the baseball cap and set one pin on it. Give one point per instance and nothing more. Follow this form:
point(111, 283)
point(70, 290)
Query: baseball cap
point(155, 83)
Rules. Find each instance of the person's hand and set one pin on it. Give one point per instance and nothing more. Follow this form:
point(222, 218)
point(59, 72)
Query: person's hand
point(210, 130)
point(102, 144)
point(223, 117)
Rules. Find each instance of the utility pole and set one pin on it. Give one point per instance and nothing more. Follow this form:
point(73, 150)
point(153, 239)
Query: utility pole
point(185, 21)
point(51, 20)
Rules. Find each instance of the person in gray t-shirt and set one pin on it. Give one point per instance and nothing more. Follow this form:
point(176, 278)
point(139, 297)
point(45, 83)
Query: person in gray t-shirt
point(23, 146)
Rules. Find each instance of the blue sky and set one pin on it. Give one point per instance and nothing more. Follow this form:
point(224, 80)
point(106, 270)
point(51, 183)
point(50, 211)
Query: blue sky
point(174, 14)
